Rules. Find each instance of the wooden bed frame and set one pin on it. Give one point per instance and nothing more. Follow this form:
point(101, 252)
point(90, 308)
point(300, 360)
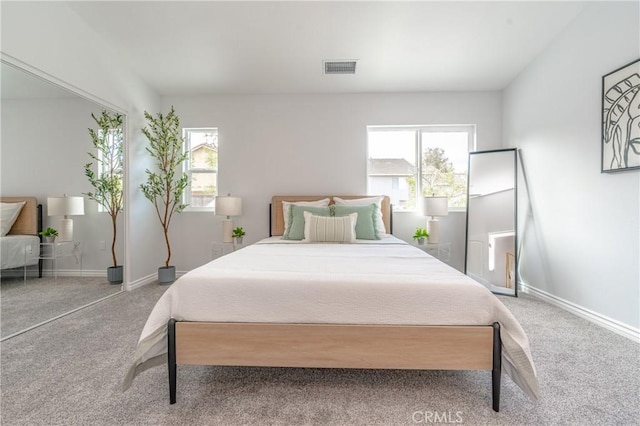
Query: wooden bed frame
point(334, 345)
point(29, 221)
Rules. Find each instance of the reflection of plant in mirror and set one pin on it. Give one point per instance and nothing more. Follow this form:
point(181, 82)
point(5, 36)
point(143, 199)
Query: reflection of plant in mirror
point(108, 142)
point(49, 232)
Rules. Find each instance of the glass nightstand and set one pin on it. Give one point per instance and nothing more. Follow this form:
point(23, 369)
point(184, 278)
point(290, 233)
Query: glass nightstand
point(54, 251)
point(219, 249)
point(441, 251)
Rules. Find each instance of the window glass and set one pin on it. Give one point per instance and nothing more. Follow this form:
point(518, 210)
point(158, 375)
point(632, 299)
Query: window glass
point(110, 161)
point(202, 166)
point(408, 163)
point(444, 165)
point(392, 157)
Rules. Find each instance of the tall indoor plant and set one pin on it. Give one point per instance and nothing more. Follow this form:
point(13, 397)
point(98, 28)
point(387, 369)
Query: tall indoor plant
point(165, 186)
point(108, 153)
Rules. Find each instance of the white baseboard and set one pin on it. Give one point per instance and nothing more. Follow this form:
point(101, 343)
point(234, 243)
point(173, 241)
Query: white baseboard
point(76, 273)
point(151, 278)
point(142, 282)
point(603, 321)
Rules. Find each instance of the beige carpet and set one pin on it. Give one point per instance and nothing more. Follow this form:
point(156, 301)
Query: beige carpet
point(70, 372)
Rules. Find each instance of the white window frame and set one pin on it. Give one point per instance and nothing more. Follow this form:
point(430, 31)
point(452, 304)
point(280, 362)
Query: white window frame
point(187, 169)
point(470, 129)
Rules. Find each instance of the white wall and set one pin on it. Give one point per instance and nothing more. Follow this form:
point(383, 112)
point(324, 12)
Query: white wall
point(582, 242)
point(51, 38)
point(312, 144)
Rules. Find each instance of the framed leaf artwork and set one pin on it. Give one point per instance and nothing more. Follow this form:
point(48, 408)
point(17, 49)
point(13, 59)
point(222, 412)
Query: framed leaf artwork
point(621, 119)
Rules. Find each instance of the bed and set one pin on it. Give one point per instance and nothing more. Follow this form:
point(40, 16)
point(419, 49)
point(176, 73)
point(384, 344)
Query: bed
point(20, 247)
point(379, 304)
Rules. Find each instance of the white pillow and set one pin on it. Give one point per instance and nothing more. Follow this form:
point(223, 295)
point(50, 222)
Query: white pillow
point(8, 214)
point(332, 229)
point(287, 204)
point(365, 202)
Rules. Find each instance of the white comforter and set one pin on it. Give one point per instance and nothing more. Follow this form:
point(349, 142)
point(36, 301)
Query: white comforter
point(388, 282)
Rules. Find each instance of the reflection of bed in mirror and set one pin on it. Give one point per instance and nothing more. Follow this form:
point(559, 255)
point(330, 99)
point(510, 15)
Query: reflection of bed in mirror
point(41, 114)
point(20, 247)
point(491, 257)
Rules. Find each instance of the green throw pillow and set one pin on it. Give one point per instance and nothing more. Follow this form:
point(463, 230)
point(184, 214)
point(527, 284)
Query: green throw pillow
point(366, 226)
point(296, 220)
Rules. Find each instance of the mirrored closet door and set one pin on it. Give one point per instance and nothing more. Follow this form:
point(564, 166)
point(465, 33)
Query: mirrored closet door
point(45, 146)
point(491, 246)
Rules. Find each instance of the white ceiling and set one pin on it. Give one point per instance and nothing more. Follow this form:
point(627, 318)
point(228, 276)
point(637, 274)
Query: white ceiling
point(211, 47)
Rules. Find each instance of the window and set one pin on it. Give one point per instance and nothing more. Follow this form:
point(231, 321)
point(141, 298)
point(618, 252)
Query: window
point(202, 167)
point(410, 162)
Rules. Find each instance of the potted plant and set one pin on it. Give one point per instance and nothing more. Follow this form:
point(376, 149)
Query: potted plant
point(420, 235)
point(165, 185)
point(49, 235)
point(237, 234)
point(108, 144)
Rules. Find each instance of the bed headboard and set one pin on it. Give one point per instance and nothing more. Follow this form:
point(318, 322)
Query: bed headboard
point(277, 219)
point(29, 221)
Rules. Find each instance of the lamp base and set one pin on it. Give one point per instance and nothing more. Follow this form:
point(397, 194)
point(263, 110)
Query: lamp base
point(227, 231)
point(65, 233)
point(433, 228)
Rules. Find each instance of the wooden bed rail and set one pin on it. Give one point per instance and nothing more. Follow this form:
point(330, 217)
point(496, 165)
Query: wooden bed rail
point(335, 346)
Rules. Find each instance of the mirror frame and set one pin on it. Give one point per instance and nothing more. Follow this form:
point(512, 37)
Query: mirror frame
point(515, 215)
point(11, 61)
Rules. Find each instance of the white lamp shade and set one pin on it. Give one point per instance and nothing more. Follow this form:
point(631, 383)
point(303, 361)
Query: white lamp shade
point(228, 206)
point(436, 206)
point(65, 206)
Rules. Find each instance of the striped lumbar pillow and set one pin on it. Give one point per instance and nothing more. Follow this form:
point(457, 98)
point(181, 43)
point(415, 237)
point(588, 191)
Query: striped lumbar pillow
point(330, 229)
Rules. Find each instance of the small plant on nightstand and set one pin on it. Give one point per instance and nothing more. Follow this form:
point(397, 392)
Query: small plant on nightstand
point(238, 233)
point(49, 235)
point(420, 235)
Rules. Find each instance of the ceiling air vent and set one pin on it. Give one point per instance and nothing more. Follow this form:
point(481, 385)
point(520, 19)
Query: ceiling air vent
point(340, 67)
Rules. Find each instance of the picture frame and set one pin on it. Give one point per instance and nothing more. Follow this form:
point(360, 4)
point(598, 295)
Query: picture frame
point(621, 119)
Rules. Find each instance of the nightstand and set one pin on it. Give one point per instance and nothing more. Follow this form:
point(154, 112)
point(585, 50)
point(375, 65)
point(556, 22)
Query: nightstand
point(441, 251)
point(54, 251)
point(219, 249)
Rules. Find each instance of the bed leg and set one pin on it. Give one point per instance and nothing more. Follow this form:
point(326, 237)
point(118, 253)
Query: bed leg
point(171, 362)
point(497, 367)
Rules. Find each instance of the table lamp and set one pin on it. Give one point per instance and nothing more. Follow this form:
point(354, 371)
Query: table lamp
point(228, 206)
point(435, 207)
point(65, 206)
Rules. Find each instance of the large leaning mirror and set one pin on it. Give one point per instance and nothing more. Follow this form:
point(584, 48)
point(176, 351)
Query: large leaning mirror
point(491, 246)
point(45, 146)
